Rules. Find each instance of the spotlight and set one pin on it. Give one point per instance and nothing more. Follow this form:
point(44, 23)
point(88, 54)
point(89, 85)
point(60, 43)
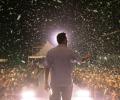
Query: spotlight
point(82, 95)
point(28, 95)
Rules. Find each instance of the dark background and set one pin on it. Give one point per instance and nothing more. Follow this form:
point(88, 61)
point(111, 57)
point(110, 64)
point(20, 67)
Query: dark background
point(94, 25)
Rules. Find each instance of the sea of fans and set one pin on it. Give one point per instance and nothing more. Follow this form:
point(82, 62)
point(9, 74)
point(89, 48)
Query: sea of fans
point(103, 81)
point(100, 80)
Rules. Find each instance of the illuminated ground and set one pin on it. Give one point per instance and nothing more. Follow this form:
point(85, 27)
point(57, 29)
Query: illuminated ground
point(44, 95)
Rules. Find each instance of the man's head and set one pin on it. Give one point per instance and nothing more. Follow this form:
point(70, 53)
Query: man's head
point(62, 38)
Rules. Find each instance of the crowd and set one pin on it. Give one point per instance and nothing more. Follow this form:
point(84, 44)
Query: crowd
point(103, 81)
point(106, 80)
point(13, 79)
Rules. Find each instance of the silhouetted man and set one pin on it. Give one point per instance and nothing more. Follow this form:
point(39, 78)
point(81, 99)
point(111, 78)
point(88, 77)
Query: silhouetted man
point(59, 62)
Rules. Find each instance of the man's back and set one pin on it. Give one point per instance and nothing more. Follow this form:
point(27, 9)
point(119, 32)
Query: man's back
point(59, 60)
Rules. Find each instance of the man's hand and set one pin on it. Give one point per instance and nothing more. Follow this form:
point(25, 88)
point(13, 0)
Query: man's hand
point(46, 87)
point(86, 57)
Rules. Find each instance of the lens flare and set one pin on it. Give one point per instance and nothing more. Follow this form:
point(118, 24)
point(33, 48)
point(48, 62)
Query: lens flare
point(28, 95)
point(82, 95)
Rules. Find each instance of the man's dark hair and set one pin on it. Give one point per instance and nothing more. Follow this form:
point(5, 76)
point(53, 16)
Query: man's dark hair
point(61, 37)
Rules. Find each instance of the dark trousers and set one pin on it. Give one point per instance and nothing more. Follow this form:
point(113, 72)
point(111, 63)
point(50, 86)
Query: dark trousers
point(61, 92)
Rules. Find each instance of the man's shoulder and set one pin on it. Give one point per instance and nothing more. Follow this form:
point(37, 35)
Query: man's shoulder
point(51, 50)
point(57, 49)
point(69, 49)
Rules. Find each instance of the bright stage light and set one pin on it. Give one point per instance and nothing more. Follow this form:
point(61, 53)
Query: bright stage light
point(53, 38)
point(82, 98)
point(28, 95)
point(82, 95)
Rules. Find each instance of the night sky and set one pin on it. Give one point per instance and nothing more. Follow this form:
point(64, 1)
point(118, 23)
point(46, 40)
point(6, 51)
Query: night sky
point(93, 25)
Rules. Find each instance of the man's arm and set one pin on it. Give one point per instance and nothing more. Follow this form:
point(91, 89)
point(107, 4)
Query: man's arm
point(77, 60)
point(46, 74)
point(46, 78)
